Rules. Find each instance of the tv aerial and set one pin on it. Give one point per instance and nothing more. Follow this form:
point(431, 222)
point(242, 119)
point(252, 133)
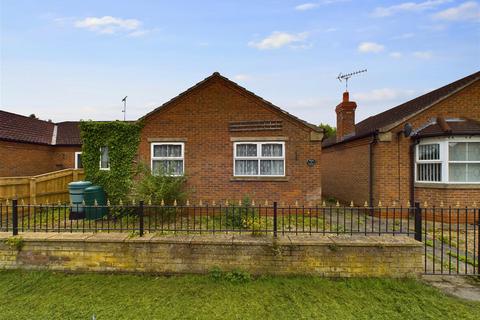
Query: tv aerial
point(347, 76)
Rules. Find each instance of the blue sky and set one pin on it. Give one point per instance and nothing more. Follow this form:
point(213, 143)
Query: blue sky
point(70, 60)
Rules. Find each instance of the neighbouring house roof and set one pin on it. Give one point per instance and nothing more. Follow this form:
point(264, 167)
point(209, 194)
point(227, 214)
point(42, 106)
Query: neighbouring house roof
point(18, 128)
point(442, 127)
point(217, 75)
point(388, 119)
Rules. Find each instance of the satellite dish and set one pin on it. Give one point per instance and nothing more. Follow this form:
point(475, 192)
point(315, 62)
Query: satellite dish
point(407, 130)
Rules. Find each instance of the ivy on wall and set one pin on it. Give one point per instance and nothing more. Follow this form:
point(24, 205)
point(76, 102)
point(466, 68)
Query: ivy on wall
point(122, 140)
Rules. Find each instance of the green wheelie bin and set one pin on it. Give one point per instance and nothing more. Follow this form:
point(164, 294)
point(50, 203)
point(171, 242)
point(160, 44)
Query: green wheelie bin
point(91, 194)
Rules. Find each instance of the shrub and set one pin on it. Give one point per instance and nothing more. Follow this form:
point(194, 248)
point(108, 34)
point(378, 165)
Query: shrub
point(159, 186)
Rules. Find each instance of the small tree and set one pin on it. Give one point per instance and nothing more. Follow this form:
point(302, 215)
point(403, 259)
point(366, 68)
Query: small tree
point(328, 130)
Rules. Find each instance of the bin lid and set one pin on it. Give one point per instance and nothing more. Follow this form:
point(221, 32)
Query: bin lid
point(79, 184)
point(93, 189)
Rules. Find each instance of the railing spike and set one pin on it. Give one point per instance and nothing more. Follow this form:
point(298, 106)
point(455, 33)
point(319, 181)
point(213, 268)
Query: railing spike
point(95, 202)
point(338, 204)
point(351, 203)
point(162, 203)
point(408, 204)
point(22, 202)
point(458, 204)
point(474, 204)
point(200, 203)
point(296, 203)
point(226, 203)
point(6, 202)
point(83, 202)
point(324, 204)
point(150, 201)
point(121, 202)
point(213, 203)
point(175, 202)
point(379, 203)
point(266, 202)
point(133, 201)
point(441, 204)
point(365, 204)
point(239, 202)
point(253, 203)
point(108, 202)
point(187, 203)
point(425, 204)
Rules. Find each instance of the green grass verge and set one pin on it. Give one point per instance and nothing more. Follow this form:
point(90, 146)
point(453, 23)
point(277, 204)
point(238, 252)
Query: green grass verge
point(46, 295)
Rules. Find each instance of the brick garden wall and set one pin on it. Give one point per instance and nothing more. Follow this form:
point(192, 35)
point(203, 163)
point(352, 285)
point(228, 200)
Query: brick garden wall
point(201, 120)
point(374, 256)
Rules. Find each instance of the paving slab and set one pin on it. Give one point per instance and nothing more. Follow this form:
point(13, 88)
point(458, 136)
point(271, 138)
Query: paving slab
point(463, 287)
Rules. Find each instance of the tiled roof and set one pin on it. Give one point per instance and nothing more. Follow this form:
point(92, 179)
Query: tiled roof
point(450, 127)
point(15, 127)
point(406, 110)
point(68, 133)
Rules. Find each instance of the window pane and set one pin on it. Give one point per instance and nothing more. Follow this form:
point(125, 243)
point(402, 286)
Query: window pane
point(272, 150)
point(271, 167)
point(429, 151)
point(167, 150)
point(474, 151)
point(246, 167)
point(457, 172)
point(473, 172)
point(104, 158)
point(457, 151)
point(246, 150)
point(167, 167)
point(429, 172)
point(79, 161)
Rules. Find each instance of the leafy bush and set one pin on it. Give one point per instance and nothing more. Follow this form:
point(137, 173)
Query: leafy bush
point(160, 186)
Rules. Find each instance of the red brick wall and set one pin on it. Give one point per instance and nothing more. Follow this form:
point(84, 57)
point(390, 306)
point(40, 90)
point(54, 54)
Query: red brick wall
point(391, 159)
point(202, 118)
point(25, 159)
point(345, 170)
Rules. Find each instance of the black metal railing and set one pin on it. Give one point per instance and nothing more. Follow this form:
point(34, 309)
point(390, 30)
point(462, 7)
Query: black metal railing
point(450, 234)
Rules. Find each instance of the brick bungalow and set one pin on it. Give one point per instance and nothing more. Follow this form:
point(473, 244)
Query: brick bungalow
point(426, 149)
point(30, 146)
point(226, 140)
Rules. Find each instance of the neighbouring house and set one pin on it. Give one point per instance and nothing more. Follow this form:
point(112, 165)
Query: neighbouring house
point(227, 141)
point(29, 146)
point(424, 150)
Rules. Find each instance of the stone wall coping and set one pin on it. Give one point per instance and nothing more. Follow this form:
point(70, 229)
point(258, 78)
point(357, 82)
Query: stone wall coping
point(227, 239)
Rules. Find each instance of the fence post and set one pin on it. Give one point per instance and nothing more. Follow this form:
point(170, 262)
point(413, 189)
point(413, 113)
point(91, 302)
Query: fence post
point(275, 219)
point(418, 222)
point(478, 239)
point(140, 214)
point(15, 216)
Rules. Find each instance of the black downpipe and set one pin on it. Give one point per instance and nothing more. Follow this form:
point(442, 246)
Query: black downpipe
point(371, 169)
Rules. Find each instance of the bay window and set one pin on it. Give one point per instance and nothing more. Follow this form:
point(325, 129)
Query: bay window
point(454, 160)
point(167, 158)
point(259, 159)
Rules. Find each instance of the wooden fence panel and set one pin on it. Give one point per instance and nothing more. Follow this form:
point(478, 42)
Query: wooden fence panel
point(45, 188)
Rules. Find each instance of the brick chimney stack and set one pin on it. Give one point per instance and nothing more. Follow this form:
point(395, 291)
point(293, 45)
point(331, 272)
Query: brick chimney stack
point(345, 117)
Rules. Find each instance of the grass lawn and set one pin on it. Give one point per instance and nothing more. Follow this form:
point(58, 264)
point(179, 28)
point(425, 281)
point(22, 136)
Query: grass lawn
point(46, 295)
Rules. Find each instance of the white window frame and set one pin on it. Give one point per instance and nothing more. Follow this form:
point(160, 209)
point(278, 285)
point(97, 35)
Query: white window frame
point(77, 153)
point(444, 157)
point(182, 157)
point(100, 162)
point(259, 157)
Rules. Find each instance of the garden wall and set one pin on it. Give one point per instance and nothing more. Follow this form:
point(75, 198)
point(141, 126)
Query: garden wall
point(340, 256)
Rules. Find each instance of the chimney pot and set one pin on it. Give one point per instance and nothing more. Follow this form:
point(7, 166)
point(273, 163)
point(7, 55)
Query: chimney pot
point(346, 96)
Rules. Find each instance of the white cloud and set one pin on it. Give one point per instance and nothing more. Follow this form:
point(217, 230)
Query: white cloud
point(404, 36)
point(426, 55)
point(396, 55)
point(384, 94)
point(242, 77)
point(278, 39)
point(112, 25)
point(466, 11)
point(407, 7)
point(370, 47)
point(306, 6)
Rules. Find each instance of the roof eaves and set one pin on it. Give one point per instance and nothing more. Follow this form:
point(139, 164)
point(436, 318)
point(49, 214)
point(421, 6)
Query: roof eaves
point(398, 122)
